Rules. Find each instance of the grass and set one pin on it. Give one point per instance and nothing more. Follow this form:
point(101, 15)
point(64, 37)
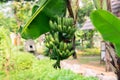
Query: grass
point(89, 52)
point(88, 59)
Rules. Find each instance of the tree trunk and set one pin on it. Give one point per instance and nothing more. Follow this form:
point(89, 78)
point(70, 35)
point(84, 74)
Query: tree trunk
point(72, 15)
point(115, 60)
point(118, 71)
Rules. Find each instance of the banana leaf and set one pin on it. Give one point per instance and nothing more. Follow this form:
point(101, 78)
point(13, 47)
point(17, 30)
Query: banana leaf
point(38, 24)
point(108, 25)
point(56, 8)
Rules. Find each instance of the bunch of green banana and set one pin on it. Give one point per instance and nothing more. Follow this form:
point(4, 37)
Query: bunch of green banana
point(59, 40)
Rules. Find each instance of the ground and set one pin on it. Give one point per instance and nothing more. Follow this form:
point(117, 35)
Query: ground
point(87, 66)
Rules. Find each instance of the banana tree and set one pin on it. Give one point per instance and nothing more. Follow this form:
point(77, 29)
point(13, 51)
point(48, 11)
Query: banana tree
point(38, 24)
point(109, 27)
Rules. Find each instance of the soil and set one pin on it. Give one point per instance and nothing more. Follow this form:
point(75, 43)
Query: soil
point(81, 68)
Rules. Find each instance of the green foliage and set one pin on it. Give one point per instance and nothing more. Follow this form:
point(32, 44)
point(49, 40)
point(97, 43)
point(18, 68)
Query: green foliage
point(19, 13)
point(90, 52)
point(5, 51)
point(84, 11)
point(22, 11)
point(85, 36)
point(38, 69)
point(25, 66)
point(39, 22)
point(8, 23)
point(108, 26)
point(22, 61)
point(4, 41)
point(59, 41)
point(79, 34)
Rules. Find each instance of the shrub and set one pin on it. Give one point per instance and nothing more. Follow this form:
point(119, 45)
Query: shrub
point(27, 67)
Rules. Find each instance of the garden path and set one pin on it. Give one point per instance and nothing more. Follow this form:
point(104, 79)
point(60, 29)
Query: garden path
point(88, 69)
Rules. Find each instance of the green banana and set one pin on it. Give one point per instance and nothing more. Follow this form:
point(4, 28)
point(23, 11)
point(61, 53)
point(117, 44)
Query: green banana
point(51, 38)
point(72, 31)
point(67, 53)
point(59, 53)
point(55, 26)
point(59, 21)
point(51, 25)
point(64, 28)
point(71, 52)
point(59, 29)
point(65, 46)
point(61, 46)
point(64, 21)
point(70, 21)
point(51, 44)
point(69, 30)
point(47, 45)
point(56, 38)
point(69, 46)
point(63, 53)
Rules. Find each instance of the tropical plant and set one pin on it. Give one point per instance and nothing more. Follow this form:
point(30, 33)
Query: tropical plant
point(45, 11)
point(108, 25)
